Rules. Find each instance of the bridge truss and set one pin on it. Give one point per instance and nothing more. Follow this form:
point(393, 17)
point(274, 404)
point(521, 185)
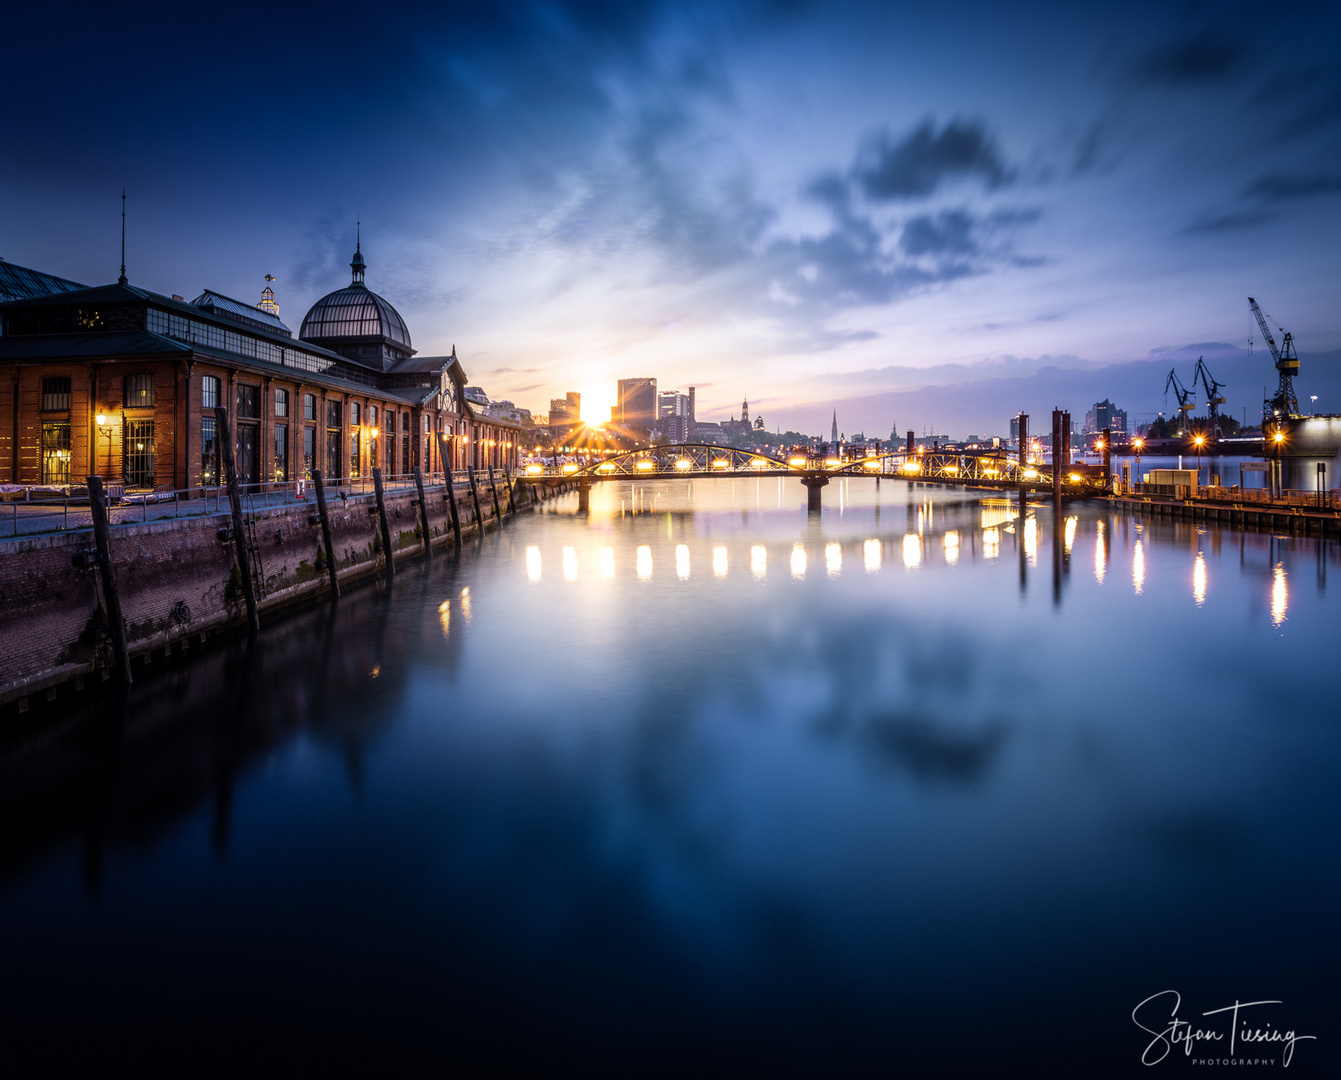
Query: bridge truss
point(698, 460)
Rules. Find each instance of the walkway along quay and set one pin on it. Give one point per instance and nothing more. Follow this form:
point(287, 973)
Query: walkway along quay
point(1296, 511)
point(97, 603)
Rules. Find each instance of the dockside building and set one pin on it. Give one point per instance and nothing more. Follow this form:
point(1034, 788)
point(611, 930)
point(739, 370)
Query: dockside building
point(121, 382)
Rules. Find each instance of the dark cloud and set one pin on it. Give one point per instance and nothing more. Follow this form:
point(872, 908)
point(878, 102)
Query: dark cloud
point(949, 232)
point(1202, 59)
point(925, 159)
point(1229, 222)
point(1282, 186)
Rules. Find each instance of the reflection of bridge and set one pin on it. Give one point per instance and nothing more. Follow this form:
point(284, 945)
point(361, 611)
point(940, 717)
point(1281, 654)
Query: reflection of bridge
point(697, 460)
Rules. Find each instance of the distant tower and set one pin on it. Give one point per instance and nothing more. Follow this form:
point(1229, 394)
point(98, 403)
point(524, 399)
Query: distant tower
point(692, 418)
point(268, 298)
point(834, 436)
point(745, 411)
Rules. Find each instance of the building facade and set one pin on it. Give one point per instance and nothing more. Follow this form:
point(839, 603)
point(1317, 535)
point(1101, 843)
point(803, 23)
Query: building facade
point(1105, 415)
point(123, 383)
point(673, 415)
point(637, 406)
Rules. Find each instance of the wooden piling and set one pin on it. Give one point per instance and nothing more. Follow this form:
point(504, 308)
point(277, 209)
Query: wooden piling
point(456, 510)
point(423, 509)
point(386, 528)
point(326, 531)
point(493, 490)
point(475, 496)
point(239, 528)
point(103, 539)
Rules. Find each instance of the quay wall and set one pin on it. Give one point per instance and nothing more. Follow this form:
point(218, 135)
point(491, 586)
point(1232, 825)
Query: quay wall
point(179, 584)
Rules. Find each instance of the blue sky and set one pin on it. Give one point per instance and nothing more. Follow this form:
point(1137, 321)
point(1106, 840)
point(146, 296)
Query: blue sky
point(924, 214)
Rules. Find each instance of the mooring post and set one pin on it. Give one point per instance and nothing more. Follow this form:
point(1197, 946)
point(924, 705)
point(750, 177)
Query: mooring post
point(584, 496)
point(512, 501)
point(423, 507)
point(455, 510)
point(1021, 458)
point(239, 530)
point(386, 528)
point(1066, 441)
point(475, 497)
point(1057, 456)
point(329, 548)
point(493, 490)
point(102, 538)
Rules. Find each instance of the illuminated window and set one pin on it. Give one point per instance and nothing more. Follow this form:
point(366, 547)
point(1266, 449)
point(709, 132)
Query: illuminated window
point(56, 452)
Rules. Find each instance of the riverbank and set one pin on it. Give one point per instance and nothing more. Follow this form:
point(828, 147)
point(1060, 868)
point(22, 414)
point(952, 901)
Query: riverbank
point(179, 583)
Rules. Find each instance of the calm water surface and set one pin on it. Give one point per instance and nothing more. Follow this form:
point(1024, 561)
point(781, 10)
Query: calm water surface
point(695, 785)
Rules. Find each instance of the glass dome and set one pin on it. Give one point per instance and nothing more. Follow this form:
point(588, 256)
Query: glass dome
point(355, 312)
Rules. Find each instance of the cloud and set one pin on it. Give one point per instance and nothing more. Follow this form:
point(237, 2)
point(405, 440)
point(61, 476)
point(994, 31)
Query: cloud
point(1228, 222)
point(949, 232)
point(1203, 59)
point(925, 159)
point(1281, 186)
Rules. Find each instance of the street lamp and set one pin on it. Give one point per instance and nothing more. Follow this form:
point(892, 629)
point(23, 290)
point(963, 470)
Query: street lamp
point(1139, 444)
point(1313, 409)
point(1277, 439)
point(1200, 441)
point(104, 423)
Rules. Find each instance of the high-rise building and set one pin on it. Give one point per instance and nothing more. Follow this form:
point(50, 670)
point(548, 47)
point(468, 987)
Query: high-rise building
point(673, 415)
point(637, 406)
point(566, 410)
point(1105, 415)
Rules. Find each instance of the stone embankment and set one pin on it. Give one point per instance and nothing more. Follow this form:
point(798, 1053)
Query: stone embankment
point(179, 582)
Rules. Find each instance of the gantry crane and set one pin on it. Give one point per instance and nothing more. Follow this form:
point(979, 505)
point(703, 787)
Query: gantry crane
point(1186, 404)
point(1213, 398)
point(1284, 403)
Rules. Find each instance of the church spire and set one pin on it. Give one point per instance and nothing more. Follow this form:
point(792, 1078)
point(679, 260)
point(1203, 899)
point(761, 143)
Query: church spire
point(835, 427)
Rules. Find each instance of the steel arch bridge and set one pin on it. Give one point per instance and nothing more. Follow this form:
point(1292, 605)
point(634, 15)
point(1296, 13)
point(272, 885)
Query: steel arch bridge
point(698, 460)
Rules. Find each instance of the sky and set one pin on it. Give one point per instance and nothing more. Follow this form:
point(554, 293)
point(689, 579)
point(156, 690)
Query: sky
point(924, 216)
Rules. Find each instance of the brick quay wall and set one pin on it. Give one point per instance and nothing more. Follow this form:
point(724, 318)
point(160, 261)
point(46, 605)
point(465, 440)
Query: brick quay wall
point(179, 584)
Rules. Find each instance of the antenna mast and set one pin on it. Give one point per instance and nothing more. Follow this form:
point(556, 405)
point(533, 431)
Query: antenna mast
point(122, 279)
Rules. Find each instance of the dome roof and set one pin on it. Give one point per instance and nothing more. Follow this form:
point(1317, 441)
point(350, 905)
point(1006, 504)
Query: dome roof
point(354, 311)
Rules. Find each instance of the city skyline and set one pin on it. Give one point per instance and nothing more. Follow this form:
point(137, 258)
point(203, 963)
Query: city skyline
point(938, 217)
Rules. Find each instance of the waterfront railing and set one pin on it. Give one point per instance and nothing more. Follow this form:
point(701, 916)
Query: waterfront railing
point(41, 512)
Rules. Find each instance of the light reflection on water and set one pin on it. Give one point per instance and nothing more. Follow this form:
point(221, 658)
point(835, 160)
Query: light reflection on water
point(905, 798)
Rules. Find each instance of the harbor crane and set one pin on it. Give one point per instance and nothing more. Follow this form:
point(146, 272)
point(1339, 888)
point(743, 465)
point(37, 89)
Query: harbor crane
point(1214, 399)
point(1186, 402)
point(1284, 403)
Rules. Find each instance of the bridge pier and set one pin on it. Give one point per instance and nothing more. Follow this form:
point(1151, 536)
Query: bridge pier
point(813, 484)
point(584, 497)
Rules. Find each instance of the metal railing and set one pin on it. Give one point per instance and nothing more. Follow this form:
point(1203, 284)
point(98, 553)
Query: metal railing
point(1293, 498)
point(71, 513)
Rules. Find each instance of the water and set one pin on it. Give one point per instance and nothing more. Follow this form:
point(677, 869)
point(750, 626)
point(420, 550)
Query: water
point(695, 785)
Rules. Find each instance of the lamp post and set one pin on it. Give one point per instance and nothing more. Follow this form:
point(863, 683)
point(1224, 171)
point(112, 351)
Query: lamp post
point(102, 420)
point(1138, 443)
point(1199, 440)
point(1277, 439)
point(1313, 409)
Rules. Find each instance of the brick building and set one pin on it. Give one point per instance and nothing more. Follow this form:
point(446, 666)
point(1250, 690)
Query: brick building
point(121, 382)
